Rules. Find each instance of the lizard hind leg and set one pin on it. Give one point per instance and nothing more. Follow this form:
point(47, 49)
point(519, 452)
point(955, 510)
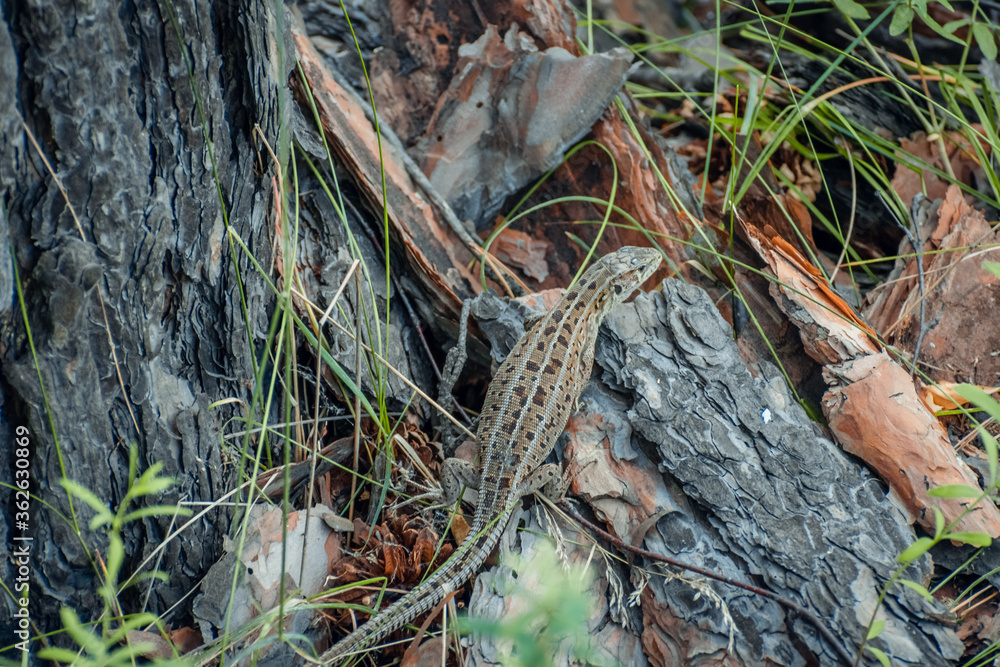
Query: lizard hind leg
point(548, 479)
point(455, 473)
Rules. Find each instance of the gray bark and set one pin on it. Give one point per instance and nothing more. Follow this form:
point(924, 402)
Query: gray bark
point(722, 470)
point(105, 88)
point(766, 496)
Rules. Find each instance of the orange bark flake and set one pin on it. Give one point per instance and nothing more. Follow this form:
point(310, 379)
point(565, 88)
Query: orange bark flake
point(830, 329)
point(874, 410)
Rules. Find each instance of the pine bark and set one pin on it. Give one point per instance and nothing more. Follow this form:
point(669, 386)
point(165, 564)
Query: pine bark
point(134, 323)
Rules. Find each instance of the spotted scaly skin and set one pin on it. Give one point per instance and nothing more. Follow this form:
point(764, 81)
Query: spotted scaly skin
point(526, 409)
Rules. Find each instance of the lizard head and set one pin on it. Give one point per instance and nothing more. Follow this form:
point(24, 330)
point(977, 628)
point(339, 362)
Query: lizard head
point(629, 267)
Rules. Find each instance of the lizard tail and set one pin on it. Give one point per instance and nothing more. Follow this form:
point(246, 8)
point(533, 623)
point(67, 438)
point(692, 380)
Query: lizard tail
point(466, 560)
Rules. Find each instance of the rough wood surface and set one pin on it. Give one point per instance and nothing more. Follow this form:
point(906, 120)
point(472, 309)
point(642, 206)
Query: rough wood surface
point(681, 451)
point(508, 116)
point(105, 88)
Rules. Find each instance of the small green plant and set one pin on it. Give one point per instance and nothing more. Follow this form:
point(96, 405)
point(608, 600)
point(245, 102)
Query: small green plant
point(115, 627)
point(99, 650)
point(978, 23)
point(942, 530)
point(551, 604)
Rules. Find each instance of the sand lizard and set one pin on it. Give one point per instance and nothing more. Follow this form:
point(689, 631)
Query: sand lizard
point(526, 409)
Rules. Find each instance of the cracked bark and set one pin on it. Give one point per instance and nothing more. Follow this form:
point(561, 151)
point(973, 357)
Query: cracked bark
point(682, 452)
point(105, 89)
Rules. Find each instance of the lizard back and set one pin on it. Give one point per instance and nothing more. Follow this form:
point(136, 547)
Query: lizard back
point(528, 401)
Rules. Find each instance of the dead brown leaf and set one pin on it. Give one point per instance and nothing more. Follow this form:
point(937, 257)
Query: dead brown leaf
point(910, 179)
point(944, 397)
point(518, 250)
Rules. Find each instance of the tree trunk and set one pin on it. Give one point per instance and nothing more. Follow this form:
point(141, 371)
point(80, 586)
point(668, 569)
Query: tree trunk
point(144, 116)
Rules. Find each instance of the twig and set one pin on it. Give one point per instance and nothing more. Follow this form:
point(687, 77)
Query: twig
point(918, 250)
point(788, 604)
point(854, 205)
